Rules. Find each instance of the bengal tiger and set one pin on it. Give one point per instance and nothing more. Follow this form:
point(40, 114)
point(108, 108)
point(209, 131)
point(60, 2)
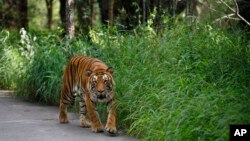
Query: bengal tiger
point(92, 80)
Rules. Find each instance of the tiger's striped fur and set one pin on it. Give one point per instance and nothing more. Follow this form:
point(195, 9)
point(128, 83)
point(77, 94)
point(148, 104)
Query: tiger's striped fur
point(92, 80)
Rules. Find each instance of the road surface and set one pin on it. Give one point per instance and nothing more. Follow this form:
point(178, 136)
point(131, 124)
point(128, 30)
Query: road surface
point(24, 121)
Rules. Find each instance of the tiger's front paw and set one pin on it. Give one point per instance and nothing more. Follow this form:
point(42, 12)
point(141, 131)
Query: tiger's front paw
point(96, 127)
point(97, 130)
point(111, 130)
point(85, 123)
point(63, 118)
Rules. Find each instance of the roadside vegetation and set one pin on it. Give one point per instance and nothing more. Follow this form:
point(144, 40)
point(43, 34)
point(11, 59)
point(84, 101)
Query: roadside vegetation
point(185, 83)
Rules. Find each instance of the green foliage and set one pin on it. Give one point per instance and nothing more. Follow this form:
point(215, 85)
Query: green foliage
point(189, 83)
point(45, 61)
point(10, 60)
point(183, 85)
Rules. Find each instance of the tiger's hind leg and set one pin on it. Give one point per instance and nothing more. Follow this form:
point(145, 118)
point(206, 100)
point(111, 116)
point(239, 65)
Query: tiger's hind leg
point(63, 117)
point(83, 112)
point(66, 99)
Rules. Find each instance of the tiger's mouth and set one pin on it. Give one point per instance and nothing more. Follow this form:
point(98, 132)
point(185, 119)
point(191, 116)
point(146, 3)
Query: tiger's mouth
point(104, 97)
point(101, 96)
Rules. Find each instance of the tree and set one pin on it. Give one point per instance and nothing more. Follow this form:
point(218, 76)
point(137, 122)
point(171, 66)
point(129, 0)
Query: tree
point(107, 11)
point(111, 11)
point(83, 12)
point(70, 27)
point(9, 14)
point(14, 14)
point(195, 8)
point(49, 5)
point(63, 15)
point(23, 14)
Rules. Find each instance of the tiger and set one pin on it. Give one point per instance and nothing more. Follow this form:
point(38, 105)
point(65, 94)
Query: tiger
point(91, 80)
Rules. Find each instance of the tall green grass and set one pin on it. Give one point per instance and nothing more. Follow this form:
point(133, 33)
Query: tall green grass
point(44, 67)
point(183, 85)
point(10, 61)
point(189, 83)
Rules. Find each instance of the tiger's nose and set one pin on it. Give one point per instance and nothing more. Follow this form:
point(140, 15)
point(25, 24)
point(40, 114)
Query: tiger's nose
point(100, 91)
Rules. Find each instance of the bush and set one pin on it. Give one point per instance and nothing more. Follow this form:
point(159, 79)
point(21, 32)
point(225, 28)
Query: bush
point(45, 63)
point(10, 60)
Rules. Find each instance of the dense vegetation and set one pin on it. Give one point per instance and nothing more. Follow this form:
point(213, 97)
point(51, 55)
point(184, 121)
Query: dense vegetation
point(187, 83)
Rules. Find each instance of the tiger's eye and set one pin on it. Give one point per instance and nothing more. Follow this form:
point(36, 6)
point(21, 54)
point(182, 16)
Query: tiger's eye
point(109, 87)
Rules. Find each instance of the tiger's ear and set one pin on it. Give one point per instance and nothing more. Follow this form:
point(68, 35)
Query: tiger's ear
point(110, 70)
point(88, 72)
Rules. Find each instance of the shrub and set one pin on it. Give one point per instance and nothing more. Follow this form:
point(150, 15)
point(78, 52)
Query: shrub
point(10, 60)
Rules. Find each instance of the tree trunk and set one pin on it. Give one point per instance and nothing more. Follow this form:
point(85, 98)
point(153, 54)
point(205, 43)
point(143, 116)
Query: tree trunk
point(144, 12)
point(83, 11)
point(196, 9)
point(63, 15)
point(104, 6)
point(49, 4)
point(93, 13)
point(174, 7)
point(14, 14)
point(23, 14)
point(70, 27)
point(9, 14)
point(80, 13)
point(159, 11)
point(110, 12)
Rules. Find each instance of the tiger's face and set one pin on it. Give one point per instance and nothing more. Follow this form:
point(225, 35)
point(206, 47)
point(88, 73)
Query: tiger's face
point(100, 86)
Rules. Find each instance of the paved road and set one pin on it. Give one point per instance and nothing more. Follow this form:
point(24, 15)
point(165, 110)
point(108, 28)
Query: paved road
point(23, 121)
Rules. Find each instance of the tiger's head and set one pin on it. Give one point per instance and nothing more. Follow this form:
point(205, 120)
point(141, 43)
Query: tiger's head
point(100, 85)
